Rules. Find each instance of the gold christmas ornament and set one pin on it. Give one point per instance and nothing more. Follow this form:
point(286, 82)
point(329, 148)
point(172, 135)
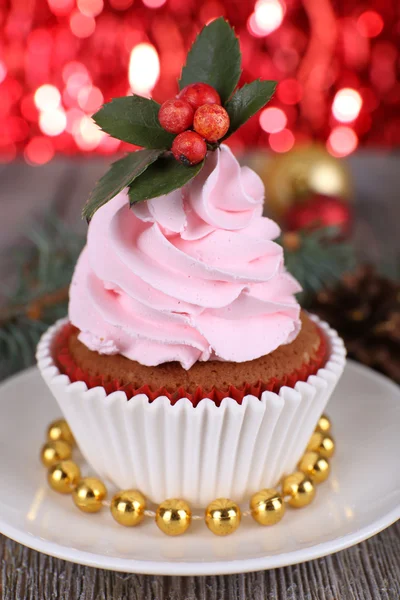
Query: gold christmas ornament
point(64, 476)
point(127, 507)
point(54, 452)
point(89, 494)
point(173, 516)
point(324, 424)
point(301, 172)
point(222, 516)
point(315, 466)
point(59, 430)
point(267, 507)
point(300, 488)
point(322, 443)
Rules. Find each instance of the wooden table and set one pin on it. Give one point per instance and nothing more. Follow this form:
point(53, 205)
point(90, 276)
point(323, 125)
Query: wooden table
point(370, 570)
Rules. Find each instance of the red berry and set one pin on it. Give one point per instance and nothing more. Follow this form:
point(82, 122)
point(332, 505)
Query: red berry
point(198, 94)
point(189, 148)
point(211, 121)
point(175, 115)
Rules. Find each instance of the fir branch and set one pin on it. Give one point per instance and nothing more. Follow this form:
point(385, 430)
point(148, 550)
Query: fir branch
point(316, 259)
point(44, 270)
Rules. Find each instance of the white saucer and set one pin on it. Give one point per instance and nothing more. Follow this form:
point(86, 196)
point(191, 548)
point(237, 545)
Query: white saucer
point(361, 498)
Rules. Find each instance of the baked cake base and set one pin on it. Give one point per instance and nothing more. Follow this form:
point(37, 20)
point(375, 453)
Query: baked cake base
point(214, 379)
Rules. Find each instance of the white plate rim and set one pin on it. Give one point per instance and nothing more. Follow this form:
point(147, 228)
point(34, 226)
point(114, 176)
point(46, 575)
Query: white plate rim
point(147, 567)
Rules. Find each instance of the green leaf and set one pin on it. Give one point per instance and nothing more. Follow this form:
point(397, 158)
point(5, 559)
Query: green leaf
point(134, 119)
point(247, 101)
point(215, 59)
point(120, 174)
point(165, 175)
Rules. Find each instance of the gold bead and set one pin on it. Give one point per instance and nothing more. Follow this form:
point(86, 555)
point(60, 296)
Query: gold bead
point(59, 430)
point(89, 494)
point(127, 507)
point(315, 466)
point(267, 507)
point(300, 488)
point(173, 516)
point(64, 476)
point(322, 443)
point(223, 516)
point(324, 425)
point(54, 452)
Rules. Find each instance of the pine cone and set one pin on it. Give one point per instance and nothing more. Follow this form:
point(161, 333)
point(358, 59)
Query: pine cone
point(364, 307)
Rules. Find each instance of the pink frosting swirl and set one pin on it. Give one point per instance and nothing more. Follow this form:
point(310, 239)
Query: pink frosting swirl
point(193, 275)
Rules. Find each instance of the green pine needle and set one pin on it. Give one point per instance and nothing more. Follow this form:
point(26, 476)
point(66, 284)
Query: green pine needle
point(45, 267)
point(320, 260)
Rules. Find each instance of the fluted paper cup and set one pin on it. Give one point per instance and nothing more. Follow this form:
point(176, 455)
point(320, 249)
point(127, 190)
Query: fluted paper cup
point(196, 453)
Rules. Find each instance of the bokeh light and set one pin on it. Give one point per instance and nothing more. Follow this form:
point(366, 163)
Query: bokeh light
point(90, 98)
point(74, 115)
point(346, 105)
point(87, 134)
point(282, 141)
point(144, 69)
point(82, 25)
point(46, 97)
point(39, 151)
point(3, 71)
point(61, 8)
point(154, 3)
point(268, 16)
point(53, 122)
point(76, 79)
point(90, 8)
point(336, 64)
point(342, 141)
point(273, 120)
point(370, 23)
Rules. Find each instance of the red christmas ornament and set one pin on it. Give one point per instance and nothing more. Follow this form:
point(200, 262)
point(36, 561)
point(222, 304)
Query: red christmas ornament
point(198, 94)
point(189, 148)
point(320, 211)
point(175, 115)
point(211, 121)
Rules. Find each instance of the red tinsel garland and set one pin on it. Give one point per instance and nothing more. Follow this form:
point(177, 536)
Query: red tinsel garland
point(91, 50)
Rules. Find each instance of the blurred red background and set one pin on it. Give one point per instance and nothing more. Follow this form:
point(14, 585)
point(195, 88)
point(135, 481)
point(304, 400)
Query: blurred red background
point(337, 64)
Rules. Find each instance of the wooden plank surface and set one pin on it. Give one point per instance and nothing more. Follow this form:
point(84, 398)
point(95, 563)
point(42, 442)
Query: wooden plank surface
point(368, 571)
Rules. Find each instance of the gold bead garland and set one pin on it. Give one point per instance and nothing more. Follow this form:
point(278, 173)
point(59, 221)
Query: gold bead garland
point(267, 507)
point(89, 494)
point(222, 516)
point(322, 443)
point(315, 466)
point(54, 452)
point(127, 507)
point(173, 516)
point(64, 476)
point(59, 430)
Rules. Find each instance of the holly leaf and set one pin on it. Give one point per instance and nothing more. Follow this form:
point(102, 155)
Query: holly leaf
point(121, 173)
point(215, 59)
point(134, 119)
point(165, 175)
point(247, 101)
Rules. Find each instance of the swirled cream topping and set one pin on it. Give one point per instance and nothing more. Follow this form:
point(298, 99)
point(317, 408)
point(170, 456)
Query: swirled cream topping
point(192, 275)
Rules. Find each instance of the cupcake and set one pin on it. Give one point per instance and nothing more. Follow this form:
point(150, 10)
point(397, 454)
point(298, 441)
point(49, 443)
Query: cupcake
point(186, 367)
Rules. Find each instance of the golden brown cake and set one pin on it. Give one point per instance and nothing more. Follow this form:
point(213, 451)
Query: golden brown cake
point(286, 365)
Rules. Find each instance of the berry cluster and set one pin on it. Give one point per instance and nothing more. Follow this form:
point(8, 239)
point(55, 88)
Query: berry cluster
point(198, 107)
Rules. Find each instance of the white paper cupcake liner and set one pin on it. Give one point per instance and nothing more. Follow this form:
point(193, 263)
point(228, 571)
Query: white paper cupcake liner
point(200, 453)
